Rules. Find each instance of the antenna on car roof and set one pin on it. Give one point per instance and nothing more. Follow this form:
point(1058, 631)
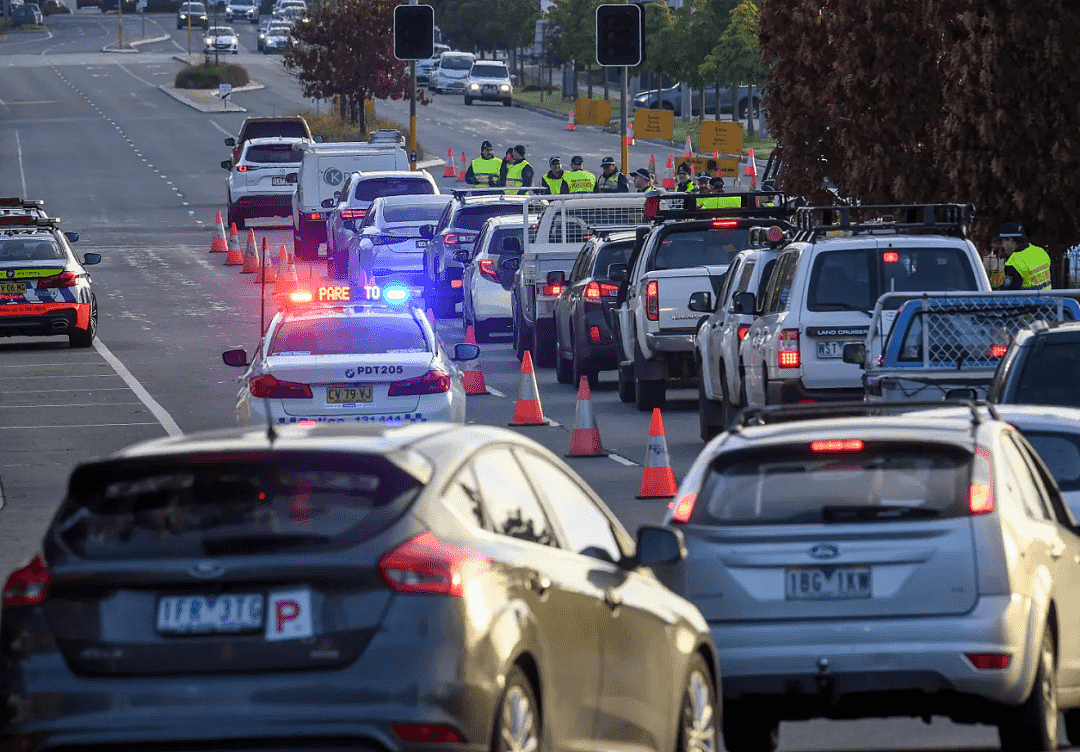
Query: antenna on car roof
point(271, 434)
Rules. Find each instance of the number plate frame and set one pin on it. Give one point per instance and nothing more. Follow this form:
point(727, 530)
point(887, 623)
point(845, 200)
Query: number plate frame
point(276, 180)
point(827, 583)
point(248, 626)
point(334, 397)
point(830, 349)
point(12, 288)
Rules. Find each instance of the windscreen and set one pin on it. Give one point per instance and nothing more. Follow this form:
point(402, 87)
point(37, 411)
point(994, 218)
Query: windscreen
point(456, 63)
point(488, 71)
point(1061, 453)
point(473, 217)
point(286, 128)
point(796, 485)
point(220, 31)
point(194, 8)
point(214, 507)
point(369, 335)
point(420, 214)
point(369, 190)
point(679, 250)
point(29, 249)
point(273, 153)
point(611, 253)
point(1051, 376)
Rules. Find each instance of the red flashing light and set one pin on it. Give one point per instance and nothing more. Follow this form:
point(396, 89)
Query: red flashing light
point(684, 508)
point(456, 284)
point(18, 220)
point(315, 216)
point(425, 564)
point(353, 213)
point(594, 333)
point(837, 445)
point(268, 386)
point(743, 329)
point(997, 351)
point(428, 733)
point(65, 279)
point(725, 224)
point(487, 269)
point(990, 661)
point(981, 491)
point(432, 382)
point(241, 168)
point(29, 585)
point(652, 300)
point(890, 257)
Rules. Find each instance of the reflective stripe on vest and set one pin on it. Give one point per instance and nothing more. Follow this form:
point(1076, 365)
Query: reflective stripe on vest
point(580, 181)
point(486, 171)
point(608, 183)
point(1033, 265)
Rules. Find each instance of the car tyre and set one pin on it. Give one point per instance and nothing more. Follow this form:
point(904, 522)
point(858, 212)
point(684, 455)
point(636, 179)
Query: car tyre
point(749, 730)
point(710, 414)
point(517, 723)
point(699, 710)
point(543, 345)
point(85, 337)
point(468, 101)
point(727, 409)
point(1033, 727)
point(1072, 726)
point(626, 382)
point(508, 102)
point(564, 368)
point(649, 393)
point(581, 367)
point(482, 330)
point(523, 338)
point(305, 248)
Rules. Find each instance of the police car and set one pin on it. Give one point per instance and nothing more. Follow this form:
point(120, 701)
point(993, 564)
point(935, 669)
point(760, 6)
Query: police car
point(44, 288)
point(351, 354)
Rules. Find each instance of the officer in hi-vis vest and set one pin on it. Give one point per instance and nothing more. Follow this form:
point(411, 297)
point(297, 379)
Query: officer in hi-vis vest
point(555, 180)
point(1027, 266)
point(580, 179)
point(611, 180)
point(485, 169)
point(516, 172)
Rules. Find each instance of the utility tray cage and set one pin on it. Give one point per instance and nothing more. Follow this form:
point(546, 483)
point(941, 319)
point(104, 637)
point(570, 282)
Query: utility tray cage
point(944, 219)
point(664, 206)
point(770, 414)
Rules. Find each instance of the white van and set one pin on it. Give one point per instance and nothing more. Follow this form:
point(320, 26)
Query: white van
point(323, 170)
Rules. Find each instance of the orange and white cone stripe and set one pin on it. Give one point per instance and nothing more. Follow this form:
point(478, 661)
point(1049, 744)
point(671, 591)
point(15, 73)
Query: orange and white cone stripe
point(527, 409)
point(472, 377)
point(585, 441)
point(234, 256)
point(658, 477)
point(251, 255)
point(286, 281)
point(267, 273)
point(219, 244)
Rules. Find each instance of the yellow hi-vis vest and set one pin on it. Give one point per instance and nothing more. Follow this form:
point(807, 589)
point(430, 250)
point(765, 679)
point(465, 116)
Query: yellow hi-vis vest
point(513, 176)
point(486, 171)
point(580, 181)
point(555, 186)
point(1033, 263)
point(716, 202)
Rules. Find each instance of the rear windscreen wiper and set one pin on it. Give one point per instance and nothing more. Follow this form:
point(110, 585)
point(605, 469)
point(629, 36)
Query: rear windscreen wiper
point(848, 513)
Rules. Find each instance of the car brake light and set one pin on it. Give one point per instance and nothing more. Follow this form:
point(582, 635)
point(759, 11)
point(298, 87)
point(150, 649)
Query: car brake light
point(837, 445)
point(890, 257)
point(981, 492)
point(315, 216)
point(987, 661)
point(683, 507)
point(594, 333)
point(66, 279)
point(432, 382)
point(27, 586)
point(597, 290)
point(553, 291)
point(743, 329)
point(997, 351)
point(652, 300)
point(268, 386)
point(787, 354)
point(487, 269)
point(458, 238)
point(725, 224)
point(241, 168)
point(425, 564)
point(428, 733)
point(353, 213)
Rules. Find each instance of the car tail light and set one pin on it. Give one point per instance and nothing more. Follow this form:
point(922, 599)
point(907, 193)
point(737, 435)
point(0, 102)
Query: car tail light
point(241, 168)
point(997, 351)
point(683, 507)
point(268, 386)
point(890, 257)
point(787, 354)
point(597, 290)
point(66, 279)
point(743, 329)
point(988, 661)
point(315, 216)
point(837, 445)
point(981, 492)
point(458, 238)
point(425, 564)
point(652, 300)
point(432, 382)
point(427, 732)
point(487, 269)
point(594, 333)
point(725, 224)
point(553, 291)
point(27, 586)
point(456, 284)
point(353, 213)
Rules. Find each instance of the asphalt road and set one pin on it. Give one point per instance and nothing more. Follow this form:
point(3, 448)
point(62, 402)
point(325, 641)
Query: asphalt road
point(137, 174)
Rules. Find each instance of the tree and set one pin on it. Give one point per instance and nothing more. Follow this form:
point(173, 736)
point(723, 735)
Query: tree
point(737, 55)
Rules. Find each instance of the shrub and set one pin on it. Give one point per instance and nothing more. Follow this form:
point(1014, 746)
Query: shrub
point(331, 127)
point(209, 76)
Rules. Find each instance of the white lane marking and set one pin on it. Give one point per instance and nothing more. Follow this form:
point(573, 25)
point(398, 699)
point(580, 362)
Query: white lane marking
point(159, 412)
point(65, 391)
point(81, 425)
point(54, 365)
point(551, 422)
point(491, 390)
point(75, 376)
point(22, 172)
point(3, 104)
point(622, 460)
point(227, 133)
point(1, 496)
point(140, 80)
point(71, 404)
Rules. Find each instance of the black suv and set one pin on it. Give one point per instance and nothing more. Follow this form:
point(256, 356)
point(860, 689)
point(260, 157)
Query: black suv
point(1041, 367)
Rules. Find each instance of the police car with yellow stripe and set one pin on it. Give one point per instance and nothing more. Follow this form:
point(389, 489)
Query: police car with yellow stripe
point(340, 353)
point(44, 288)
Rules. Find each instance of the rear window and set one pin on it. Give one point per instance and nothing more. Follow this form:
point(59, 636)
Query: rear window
point(611, 253)
point(287, 128)
point(473, 217)
point(213, 506)
point(489, 71)
point(495, 248)
point(371, 335)
point(1051, 375)
point(679, 250)
point(1061, 453)
point(273, 153)
point(29, 249)
point(369, 190)
point(456, 63)
point(426, 213)
point(794, 485)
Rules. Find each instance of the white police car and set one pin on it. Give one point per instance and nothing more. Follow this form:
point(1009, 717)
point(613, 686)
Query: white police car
point(44, 288)
point(326, 358)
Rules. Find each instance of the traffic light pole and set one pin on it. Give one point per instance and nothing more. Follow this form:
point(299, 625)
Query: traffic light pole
point(623, 89)
point(412, 113)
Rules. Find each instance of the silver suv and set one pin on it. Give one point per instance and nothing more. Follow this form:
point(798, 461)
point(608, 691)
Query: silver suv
point(881, 565)
point(489, 81)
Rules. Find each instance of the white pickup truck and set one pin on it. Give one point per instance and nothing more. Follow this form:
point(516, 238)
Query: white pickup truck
point(566, 222)
point(686, 252)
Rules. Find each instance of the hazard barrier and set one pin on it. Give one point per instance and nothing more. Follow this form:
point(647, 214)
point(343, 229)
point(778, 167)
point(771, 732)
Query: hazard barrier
point(571, 126)
point(219, 244)
point(267, 273)
point(585, 441)
point(234, 256)
point(286, 276)
point(527, 409)
point(658, 477)
point(448, 171)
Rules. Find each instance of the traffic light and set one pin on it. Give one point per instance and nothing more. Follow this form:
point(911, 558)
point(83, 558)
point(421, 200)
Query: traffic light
point(618, 34)
point(414, 32)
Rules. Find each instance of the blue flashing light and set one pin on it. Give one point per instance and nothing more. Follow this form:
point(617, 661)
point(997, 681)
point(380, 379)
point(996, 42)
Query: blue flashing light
point(395, 293)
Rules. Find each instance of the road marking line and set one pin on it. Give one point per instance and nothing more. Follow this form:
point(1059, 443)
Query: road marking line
point(52, 365)
point(159, 412)
point(140, 80)
point(65, 391)
point(82, 425)
point(1, 494)
point(22, 172)
point(622, 460)
point(554, 423)
point(71, 404)
point(227, 133)
point(78, 376)
point(491, 390)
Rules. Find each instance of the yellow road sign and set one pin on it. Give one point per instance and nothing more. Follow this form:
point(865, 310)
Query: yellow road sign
point(726, 138)
point(592, 112)
point(654, 124)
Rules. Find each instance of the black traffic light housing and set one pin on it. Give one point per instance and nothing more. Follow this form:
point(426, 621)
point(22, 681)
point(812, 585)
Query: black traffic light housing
point(618, 34)
point(414, 32)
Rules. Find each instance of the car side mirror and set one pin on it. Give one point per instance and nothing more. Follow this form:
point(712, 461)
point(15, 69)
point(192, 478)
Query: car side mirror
point(327, 203)
point(89, 259)
point(349, 224)
point(462, 257)
point(510, 264)
point(226, 164)
point(659, 545)
point(427, 232)
point(292, 178)
point(73, 237)
point(960, 393)
point(464, 352)
point(743, 302)
point(511, 245)
point(556, 278)
point(700, 302)
point(236, 358)
point(616, 272)
point(230, 141)
point(855, 353)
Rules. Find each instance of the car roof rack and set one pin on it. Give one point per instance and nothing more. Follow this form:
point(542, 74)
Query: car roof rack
point(749, 207)
point(812, 222)
point(760, 416)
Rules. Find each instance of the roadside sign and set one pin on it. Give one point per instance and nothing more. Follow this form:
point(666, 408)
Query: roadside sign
point(654, 123)
point(725, 138)
point(722, 166)
point(141, 6)
point(592, 112)
point(224, 91)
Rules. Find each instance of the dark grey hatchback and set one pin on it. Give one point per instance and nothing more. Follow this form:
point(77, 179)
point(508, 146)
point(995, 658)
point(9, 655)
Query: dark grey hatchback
point(403, 588)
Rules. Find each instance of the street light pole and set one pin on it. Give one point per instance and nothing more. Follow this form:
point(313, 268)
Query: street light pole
point(623, 86)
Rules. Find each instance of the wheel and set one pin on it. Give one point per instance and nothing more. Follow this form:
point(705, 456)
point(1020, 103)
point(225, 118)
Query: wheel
point(626, 383)
point(698, 712)
point(1033, 726)
point(517, 725)
point(543, 346)
point(581, 368)
point(444, 307)
point(742, 387)
point(522, 336)
point(468, 101)
point(747, 729)
point(85, 337)
point(508, 102)
point(564, 368)
point(337, 266)
point(727, 410)
point(742, 110)
point(710, 417)
point(305, 248)
point(1072, 726)
point(650, 393)
point(236, 219)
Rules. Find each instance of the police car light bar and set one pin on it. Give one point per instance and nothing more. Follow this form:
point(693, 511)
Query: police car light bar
point(392, 294)
point(28, 220)
point(22, 203)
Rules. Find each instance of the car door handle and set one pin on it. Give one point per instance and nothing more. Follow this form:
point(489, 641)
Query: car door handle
point(1056, 552)
point(612, 598)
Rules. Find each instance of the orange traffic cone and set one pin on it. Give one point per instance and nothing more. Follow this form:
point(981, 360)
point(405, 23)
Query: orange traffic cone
point(234, 256)
point(219, 244)
point(448, 171)
point(688, 150)
point(251, 255)
point(669, 181)
point(527, 410)
point(472, 376)
point(652, 166)
point(267, 273)
point(630, 133)
point(463, 170)
point(585, 441)
point(657, 479)
point(286, 276)
point(751, 169)
point(571, 125)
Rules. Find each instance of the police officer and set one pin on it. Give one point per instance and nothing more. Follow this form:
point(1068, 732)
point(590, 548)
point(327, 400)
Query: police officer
point(1027, 266)
point(484, 170)
point(703, 181)
point(685, 181)
point(642, 180)
point(580, 179)
point(555, 181)
point(713, 199)
point(611, 180)
point(516, 172)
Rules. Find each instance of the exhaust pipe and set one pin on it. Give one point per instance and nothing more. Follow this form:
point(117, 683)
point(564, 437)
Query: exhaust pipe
point(60, 324)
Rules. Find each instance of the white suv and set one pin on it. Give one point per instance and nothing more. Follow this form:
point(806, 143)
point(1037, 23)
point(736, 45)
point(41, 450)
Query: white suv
point(257, 185)
point(827, 281)
point(247, 10)
point(451, 72)
point(489, 81)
